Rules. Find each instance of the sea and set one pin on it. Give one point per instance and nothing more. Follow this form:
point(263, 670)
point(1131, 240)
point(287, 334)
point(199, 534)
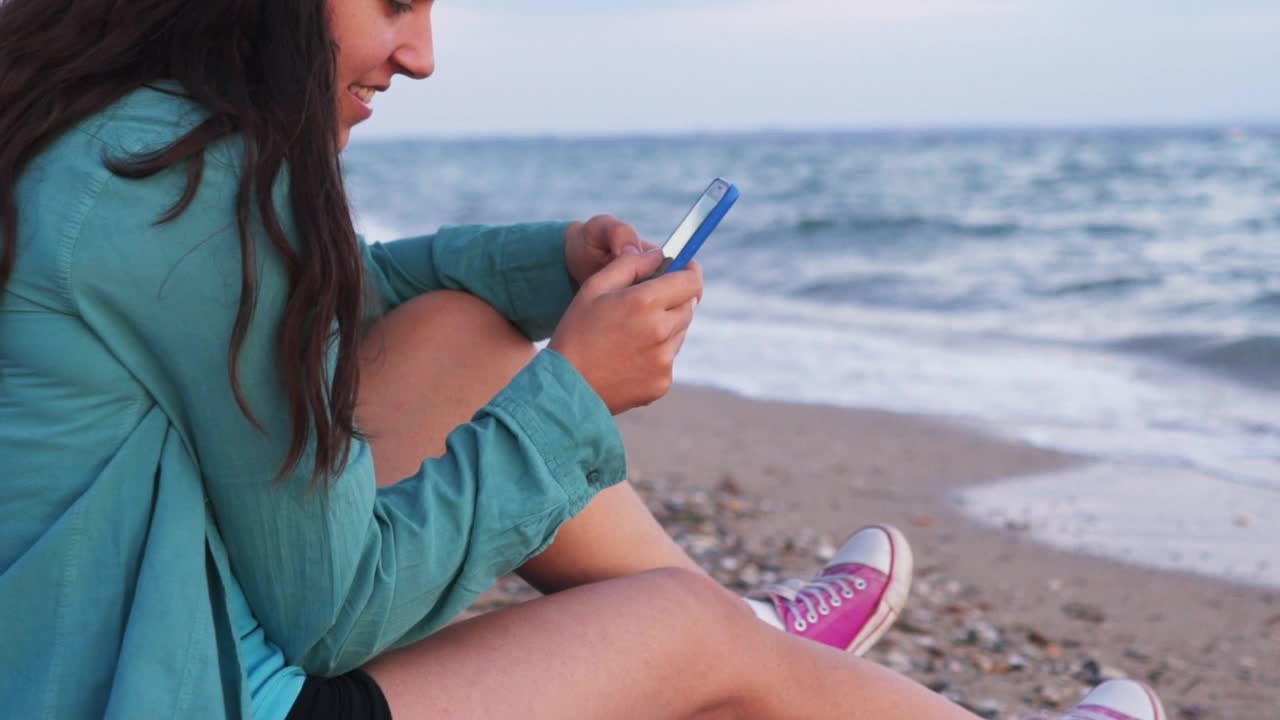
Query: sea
point(1108, 292)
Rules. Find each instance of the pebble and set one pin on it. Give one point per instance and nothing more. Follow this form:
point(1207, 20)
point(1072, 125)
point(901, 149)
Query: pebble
point(1084, 611)
point(949, 638)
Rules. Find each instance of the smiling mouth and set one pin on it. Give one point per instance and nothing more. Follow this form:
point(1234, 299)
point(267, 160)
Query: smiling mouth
point(364, 93)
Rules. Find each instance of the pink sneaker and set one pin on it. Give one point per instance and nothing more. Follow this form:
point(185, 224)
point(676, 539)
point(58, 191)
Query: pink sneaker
point(855, 598)
point(1118, 700)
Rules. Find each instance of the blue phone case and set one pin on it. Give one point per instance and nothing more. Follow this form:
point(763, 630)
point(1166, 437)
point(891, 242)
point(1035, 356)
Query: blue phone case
point(704, 230)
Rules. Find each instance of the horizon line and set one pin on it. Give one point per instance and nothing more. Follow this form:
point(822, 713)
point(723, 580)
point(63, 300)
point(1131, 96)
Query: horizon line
point(1226, 127)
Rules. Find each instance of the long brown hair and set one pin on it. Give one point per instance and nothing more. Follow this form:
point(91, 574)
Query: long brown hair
point(265, 71)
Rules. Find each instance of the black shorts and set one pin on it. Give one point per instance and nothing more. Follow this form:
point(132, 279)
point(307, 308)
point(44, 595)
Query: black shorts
point(354, 696)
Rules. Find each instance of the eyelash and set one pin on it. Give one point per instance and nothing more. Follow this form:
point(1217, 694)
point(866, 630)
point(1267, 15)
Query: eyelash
point(400, 8)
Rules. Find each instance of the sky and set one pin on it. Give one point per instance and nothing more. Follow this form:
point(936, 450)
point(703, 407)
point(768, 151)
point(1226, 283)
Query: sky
point(571, 67)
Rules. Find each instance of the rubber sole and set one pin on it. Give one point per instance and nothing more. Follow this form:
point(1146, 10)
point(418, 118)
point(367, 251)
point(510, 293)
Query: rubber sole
point(1155, 700)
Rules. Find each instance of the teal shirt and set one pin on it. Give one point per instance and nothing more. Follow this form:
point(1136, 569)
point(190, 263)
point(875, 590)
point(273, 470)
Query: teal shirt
point(149, 567)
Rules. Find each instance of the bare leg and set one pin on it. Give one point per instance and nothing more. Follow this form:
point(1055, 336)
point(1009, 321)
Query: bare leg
point(666, 643)
point(426, 368)
point(663, 644)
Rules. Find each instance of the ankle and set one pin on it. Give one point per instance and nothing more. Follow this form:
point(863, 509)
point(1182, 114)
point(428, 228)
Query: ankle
point(765, 612)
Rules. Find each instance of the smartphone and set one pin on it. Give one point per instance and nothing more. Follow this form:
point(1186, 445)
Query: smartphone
point(689, 235)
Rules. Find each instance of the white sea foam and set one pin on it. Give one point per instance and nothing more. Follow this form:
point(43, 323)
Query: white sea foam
point(1176, 448)
point(1156, 516)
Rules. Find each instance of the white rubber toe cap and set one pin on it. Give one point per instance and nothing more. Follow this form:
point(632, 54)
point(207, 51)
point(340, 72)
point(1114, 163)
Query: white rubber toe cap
point(870, 546)
point(1128, 697)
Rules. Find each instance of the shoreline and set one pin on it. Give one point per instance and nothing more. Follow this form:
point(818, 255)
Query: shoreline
point(1210, 646)
point(970, 493)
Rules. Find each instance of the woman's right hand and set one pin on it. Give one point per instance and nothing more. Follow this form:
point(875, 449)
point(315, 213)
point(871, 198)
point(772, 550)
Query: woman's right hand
point(624, 337)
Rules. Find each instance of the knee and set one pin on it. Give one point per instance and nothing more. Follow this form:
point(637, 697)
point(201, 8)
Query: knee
point(708, 631)
point(698, 601)
point(460, 317)
point(455, 306)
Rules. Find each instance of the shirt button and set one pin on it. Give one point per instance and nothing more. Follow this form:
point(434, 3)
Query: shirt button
point(593, 477)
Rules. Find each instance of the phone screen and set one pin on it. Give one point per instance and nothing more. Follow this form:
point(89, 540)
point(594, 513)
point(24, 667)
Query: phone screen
point(698, 215)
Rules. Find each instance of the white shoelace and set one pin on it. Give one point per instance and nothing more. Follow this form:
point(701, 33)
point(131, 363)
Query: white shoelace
point(814, 596)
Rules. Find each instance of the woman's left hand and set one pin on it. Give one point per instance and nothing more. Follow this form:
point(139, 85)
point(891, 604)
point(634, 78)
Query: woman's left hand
point(591, 245)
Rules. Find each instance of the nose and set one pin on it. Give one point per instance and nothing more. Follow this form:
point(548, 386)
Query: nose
point(415, 54)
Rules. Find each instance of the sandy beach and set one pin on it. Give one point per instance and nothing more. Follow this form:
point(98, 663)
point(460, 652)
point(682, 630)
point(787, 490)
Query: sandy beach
point(1003, 624)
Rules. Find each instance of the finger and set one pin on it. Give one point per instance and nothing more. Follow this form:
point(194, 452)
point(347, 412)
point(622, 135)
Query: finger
point(601, 222)
point(676, 343)
point(673, 289)
point(679, 319)
point(696, 267)
point(596, 233)
point(622, 236)
point(624, 271)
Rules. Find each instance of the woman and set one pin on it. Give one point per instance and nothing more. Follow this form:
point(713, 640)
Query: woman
point(216, 402)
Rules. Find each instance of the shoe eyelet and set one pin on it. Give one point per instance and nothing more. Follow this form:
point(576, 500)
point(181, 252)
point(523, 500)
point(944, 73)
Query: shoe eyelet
point(811, 617)
point(824, 610)
point(836, 602)
point(800, 626)
point(860, 584)
point(847, 593)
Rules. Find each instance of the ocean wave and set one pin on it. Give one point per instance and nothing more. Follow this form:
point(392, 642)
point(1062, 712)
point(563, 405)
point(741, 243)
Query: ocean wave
point(1107, 286)
point(896, 290)
point(1252, 360)
point(897, 227)
point(861, 225)
point(1116, 230)
point(1265, 301)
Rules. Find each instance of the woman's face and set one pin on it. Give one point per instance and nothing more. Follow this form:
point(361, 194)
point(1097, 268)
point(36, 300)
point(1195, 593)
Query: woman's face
point(376, 40)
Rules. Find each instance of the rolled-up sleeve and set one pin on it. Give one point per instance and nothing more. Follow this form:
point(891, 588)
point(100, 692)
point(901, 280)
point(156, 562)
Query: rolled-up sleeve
point(427, 546)
point(518, 269)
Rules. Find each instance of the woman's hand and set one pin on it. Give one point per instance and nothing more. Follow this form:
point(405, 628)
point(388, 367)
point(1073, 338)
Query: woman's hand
point(590, 246)
point(624, 337)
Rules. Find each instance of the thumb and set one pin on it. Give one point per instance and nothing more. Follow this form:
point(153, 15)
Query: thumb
point(625, 271)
